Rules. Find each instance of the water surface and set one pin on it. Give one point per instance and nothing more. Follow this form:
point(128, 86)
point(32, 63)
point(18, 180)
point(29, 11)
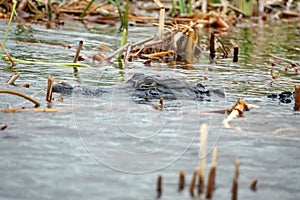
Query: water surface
point(112, 148)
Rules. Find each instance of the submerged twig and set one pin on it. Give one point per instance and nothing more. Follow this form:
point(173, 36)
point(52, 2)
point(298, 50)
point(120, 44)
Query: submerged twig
point(37, 103)
point(12, 79)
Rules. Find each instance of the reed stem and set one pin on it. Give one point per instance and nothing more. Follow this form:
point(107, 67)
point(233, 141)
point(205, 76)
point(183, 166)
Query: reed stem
point(37, 103)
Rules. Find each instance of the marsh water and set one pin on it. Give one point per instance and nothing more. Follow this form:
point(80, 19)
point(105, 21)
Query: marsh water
point(110, 147)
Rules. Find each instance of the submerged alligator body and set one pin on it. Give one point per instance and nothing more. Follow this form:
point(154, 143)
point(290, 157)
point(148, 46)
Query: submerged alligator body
point(148, 87)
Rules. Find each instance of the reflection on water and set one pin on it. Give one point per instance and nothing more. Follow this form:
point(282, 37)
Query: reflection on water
point(113, 148)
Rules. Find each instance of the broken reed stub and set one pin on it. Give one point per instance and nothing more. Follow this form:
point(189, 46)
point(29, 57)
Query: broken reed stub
point(159, 186)
point(212, 51)
point(253, 184)
point(212, 174)
point(235, 54)
point(193, 182)
point(297, 98)
point(11, 80)
point(210, 184)
point(234, 189)
point(181, 182)
point(80, 44)
point(2, 128)
point(49, 89)
point(202, 157)
point(200, 184)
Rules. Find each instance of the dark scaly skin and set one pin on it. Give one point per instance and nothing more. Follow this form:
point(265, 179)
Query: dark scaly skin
point(147, 87)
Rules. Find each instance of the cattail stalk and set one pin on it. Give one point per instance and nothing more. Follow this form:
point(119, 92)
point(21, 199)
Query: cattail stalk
point(253, 184)
point(181, 183)
point(80, 44)
point(212, 174)
point(49, 89)
point(235, 54)
point(297, 98)
point(159, 186)
point(193, 182)
point(212, 50)
point(234, 189)
point(202, 157)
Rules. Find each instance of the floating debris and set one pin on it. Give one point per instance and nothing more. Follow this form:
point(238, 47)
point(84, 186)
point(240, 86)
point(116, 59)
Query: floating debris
point(3, 127)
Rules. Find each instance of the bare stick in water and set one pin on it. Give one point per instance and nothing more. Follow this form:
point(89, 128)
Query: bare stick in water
point(49, 89)
point(193, 182)
point(12, 79)
point(253, 184)
point(181, 181)
point(159, 186)
point(212, 51)
point(77, 55)
point(297, 98)
point(212, 174)
point(234, 189)
point(202, 157)
point(236, 54)
point(37, 103)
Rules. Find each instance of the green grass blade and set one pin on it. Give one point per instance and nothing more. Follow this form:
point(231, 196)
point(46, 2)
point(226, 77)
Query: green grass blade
point(50, 63)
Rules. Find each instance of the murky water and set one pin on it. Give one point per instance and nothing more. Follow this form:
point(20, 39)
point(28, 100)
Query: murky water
point(113, 148)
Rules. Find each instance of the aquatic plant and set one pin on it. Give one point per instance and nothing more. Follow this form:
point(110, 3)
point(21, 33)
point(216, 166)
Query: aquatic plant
point(8, 26)
point(86, 8)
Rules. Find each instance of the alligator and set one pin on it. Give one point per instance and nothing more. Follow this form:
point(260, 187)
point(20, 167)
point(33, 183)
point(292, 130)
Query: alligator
point(148, 87)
